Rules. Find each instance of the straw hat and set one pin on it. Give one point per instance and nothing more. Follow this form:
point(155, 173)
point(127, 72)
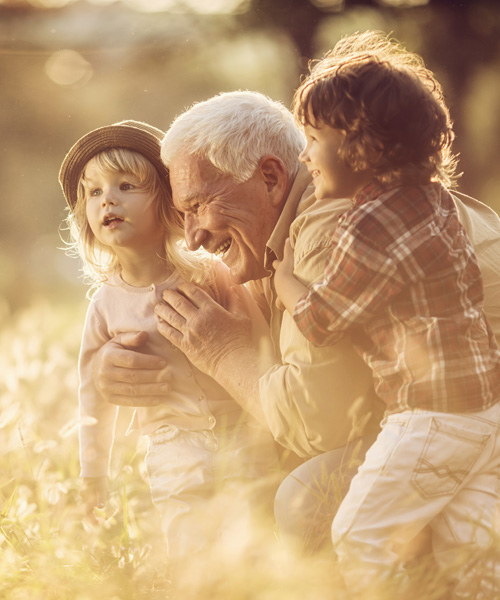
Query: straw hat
point(131, 135)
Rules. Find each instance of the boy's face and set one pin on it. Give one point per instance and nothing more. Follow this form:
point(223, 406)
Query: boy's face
point(331, 177)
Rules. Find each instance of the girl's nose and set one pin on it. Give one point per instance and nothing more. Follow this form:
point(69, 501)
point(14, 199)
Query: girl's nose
point(303, 156)
point(108, 198)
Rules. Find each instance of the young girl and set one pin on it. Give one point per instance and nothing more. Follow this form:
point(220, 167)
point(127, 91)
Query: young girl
point(403, 281)
point(129, 236)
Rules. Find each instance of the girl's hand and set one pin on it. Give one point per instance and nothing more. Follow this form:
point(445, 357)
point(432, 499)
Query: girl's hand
point(94, 494)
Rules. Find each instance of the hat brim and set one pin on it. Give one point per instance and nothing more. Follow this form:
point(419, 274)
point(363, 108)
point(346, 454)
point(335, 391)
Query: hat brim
point(130, 135)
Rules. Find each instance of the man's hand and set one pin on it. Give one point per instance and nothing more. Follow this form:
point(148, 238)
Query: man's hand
point(202, 329)
point(127, 377)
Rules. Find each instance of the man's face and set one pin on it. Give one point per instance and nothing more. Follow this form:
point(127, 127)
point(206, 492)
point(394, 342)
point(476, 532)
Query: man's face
point(232, 220)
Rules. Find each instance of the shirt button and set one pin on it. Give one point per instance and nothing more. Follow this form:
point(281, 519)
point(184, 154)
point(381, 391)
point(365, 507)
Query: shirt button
point(200, 398)
point(211, 420)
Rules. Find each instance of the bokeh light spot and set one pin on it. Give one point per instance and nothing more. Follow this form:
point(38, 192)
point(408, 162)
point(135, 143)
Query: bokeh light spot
point(67, 67)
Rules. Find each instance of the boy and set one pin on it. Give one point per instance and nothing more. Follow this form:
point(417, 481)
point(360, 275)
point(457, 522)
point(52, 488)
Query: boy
point(404, 283)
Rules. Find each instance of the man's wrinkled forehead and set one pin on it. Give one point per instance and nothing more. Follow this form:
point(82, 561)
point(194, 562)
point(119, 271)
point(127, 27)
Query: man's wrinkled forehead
point(194, 179)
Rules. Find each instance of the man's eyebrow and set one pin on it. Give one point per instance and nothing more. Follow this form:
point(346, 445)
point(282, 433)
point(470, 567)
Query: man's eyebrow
point(190, 199)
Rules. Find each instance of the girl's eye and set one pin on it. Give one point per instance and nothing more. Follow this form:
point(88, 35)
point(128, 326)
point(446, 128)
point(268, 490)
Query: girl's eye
point(127, 186)
point(96, 192)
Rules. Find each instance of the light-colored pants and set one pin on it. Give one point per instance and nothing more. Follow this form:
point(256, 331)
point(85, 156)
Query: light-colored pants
point(309, 496)
point(201, 480)
point(425, 468)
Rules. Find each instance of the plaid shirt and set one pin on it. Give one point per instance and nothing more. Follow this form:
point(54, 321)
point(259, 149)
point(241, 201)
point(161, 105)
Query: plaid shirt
point(403, 280)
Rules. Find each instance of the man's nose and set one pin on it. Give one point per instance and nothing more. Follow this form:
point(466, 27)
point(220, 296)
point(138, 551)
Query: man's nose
point(193, 233)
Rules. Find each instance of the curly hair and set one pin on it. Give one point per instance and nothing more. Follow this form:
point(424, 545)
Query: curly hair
point(100, 261)
point(390, 107)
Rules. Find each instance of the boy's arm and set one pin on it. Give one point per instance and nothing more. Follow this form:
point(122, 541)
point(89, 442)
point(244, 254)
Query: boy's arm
point(289, 289)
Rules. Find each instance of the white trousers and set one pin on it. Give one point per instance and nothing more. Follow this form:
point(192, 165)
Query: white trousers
point(426, 468)
point(205, 482)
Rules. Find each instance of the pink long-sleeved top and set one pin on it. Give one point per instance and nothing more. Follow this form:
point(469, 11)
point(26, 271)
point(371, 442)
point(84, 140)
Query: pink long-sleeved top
point(194, 402)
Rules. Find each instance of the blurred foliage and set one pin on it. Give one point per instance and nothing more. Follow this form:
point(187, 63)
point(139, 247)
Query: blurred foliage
point(68, 66)
point(48, 551)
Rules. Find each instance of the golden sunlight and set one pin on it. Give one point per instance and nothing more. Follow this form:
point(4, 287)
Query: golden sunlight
point(67, 67)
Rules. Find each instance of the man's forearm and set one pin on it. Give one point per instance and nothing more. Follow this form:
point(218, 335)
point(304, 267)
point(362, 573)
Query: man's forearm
point(238, 371)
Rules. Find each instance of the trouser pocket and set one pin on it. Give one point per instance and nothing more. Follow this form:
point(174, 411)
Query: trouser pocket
point(447, 458)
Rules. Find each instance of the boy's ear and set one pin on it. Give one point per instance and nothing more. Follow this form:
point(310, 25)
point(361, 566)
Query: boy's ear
point(275, 178)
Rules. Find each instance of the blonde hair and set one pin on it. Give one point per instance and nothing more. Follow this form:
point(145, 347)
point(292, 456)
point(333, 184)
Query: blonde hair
point(389, 105)
point(100, 262)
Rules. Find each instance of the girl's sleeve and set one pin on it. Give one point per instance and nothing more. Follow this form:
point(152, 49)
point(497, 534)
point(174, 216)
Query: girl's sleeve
point(97, 416)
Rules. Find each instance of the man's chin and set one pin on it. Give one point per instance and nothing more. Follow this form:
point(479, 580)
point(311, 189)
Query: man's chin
point(242, 275)
point(238, 277)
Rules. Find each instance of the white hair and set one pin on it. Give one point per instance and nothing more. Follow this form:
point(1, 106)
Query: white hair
point(234, 130)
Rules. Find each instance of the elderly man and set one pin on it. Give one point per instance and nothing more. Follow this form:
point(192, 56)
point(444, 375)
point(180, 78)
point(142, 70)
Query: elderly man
point(236, 178)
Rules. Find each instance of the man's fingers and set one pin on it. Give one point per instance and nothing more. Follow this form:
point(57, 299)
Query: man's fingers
point(187, 298)
point(169, 332)
point(169, 315)
point(127, 376)
point(131, 339)
point(180, 303)
point(129, 359)
point(135, 401)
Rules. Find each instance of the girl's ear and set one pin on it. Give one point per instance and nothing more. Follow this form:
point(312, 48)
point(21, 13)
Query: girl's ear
point(275, 178)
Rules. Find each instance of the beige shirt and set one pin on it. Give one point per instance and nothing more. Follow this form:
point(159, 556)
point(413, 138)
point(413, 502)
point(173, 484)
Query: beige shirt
point(318, 398)
point(195, 400)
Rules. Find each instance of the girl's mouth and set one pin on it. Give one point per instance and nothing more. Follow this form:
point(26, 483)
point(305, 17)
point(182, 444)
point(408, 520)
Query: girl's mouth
point(110, 220)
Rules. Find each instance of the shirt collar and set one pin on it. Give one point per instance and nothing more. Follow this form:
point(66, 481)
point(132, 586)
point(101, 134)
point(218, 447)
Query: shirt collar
point(370, 191)
point(276, 242)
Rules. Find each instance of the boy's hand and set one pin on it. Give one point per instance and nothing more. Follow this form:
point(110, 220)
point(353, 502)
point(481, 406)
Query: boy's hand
point(284, 268)
point(94, 494)
point(289, 289)
point(283, 271)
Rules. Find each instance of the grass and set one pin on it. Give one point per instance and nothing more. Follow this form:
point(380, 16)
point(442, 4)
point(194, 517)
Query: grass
point(48, 551)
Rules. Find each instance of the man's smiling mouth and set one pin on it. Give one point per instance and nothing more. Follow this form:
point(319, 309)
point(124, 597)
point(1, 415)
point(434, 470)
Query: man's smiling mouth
point(222, 248)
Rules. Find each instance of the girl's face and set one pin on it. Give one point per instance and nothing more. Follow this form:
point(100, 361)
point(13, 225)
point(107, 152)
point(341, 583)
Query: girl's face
point(121, 212)
point(331, 177)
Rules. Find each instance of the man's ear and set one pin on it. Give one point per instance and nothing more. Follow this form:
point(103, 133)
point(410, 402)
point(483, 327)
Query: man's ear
point(275, 178)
